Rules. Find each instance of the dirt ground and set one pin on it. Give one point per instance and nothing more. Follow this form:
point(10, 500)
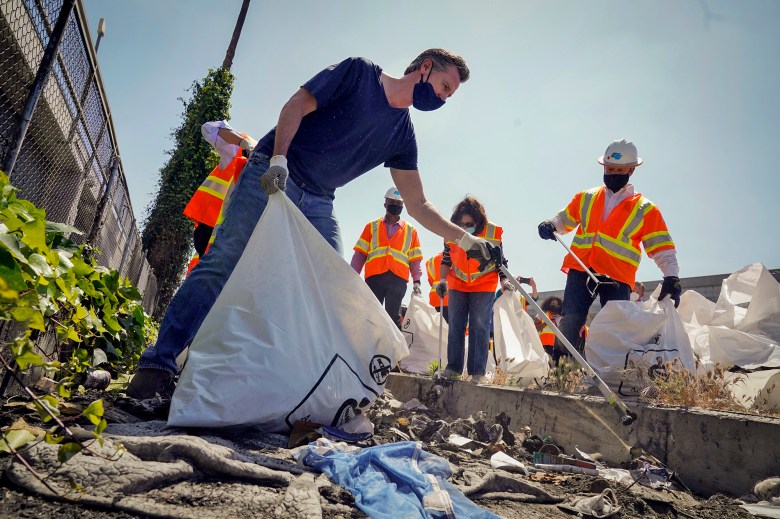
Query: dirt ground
point(636, 502)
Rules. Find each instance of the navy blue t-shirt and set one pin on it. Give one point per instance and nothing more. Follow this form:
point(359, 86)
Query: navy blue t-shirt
point(353, 130)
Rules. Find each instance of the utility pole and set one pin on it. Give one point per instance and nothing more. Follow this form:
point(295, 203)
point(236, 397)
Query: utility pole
point(231, 51)
point(101, 31)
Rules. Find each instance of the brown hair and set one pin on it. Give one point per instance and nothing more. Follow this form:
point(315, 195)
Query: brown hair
point(442, 60)
point(472, 207)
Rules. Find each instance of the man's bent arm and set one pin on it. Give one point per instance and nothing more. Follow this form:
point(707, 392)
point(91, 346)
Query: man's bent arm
point(409, 184)
point(294, 110)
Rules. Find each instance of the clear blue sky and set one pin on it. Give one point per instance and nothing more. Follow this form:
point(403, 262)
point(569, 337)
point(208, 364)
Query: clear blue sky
point(695, 84)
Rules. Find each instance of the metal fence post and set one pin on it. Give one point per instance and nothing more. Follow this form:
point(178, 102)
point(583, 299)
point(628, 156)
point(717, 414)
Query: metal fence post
point(40, 79)
point(101, 209)
point(130, 239)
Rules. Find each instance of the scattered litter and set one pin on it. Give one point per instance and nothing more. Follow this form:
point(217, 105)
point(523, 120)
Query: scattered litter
point(498, 486)
point(501, 460)
point(334, 433)
point(414, 405)
point(600, 506)
point(560, 463)
point(394, 480)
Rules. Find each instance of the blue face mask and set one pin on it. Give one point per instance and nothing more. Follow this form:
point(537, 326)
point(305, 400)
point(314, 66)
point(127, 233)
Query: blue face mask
point(470, 230)
point(424, 97)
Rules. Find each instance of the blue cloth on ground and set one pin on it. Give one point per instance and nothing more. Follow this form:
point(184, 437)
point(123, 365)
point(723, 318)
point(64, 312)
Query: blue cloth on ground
point(393, 480)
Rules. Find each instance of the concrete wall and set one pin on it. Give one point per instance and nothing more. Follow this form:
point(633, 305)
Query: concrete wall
point(713, 452)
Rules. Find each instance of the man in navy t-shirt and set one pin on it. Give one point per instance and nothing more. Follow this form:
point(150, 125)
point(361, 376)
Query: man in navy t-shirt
point(342, 123)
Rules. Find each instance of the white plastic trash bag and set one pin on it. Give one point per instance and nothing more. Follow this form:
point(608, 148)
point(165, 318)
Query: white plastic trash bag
point(421, 329)
point(519, 350)
point(294, 335)
point(629, 344)
point(743, 327)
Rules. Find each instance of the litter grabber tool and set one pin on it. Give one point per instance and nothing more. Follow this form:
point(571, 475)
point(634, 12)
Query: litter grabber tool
point(596, 279)
point(441, 326)
point(496, 257)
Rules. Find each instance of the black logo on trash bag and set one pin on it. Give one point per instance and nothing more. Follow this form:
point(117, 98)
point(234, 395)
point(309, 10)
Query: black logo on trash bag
point(345, 413)
point(379, 368)
point(407, 323)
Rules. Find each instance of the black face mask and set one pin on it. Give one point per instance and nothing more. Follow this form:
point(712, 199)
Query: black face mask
point(555, 309)
point(424, 97)
point(395, 209)
point(615, 182)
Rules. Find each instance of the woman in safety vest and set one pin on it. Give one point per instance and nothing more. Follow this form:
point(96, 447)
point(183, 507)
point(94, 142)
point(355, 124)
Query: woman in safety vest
point(205, 208)
point(470, 292)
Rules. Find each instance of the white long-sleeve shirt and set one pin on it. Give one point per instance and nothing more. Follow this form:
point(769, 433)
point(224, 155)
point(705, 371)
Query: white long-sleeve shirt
point(666, 260)
point(227, 152)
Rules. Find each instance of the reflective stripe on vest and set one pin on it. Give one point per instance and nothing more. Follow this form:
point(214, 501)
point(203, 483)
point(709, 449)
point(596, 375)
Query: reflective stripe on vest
point(465, 275)
point(547, 335)
point(491, 233)
point(433, 268)
point(612, 246)
point(205, 204)
point(194, 261)
point(390, 254)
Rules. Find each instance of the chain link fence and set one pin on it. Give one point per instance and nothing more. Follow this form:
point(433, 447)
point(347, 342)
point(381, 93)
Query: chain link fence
point(68, 162)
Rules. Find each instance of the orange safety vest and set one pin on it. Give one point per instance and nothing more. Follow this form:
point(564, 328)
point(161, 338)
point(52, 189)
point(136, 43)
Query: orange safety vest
point(194, 261)
point(205, 204)
point(433, 267)
point(210, 197)
point(464, 273)
point(611, 246)
point(389, 254)
point(547, 335)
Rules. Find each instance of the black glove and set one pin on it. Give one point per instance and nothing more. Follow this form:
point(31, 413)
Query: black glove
point(547, 230)
point(441, 288)
point(671, 287)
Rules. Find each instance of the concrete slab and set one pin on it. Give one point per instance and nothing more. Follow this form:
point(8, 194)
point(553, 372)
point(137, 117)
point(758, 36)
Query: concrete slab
point(713, 452)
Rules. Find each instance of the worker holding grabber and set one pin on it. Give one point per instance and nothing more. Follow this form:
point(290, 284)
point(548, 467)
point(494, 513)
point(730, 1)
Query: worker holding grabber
point(611, 221)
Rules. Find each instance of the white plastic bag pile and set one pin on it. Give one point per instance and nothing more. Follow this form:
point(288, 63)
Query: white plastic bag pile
point(741, 329)
point(518, 349)
point(294, 335)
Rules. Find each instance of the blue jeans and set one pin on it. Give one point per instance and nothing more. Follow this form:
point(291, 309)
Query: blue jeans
point(475, 310)
point(577, 301)
point(197, 294)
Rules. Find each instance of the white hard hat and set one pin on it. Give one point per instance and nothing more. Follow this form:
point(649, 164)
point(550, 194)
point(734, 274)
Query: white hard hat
point(393, 194)
point(620, 153)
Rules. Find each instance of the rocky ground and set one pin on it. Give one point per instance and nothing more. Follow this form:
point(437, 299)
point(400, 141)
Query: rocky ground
point(394, 421)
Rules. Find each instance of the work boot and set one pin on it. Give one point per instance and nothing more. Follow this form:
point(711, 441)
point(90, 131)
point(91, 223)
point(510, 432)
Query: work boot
point(149, 382)
point(448, 374)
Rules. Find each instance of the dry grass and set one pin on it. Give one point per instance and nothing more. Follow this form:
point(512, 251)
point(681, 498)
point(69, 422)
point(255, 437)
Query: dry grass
point(565, 377)
point(713, 390)
point(684, 388)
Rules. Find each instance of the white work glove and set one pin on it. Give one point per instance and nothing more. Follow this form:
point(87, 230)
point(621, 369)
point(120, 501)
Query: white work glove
point(248, 144)
point(416, 288)
point(508, 286)
point(469, 242)
point(276, 177)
